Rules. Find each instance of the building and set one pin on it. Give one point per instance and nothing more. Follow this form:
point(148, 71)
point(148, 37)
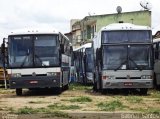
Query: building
point(84, 30)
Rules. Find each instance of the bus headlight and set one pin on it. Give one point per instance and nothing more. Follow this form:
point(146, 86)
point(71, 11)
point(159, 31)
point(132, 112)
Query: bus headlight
point(146, 77)
point(107, 77)
point(16, 75)
point(53, 73)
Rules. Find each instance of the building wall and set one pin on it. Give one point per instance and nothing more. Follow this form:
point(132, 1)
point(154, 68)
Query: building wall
point(138, 18)
point(86, 28)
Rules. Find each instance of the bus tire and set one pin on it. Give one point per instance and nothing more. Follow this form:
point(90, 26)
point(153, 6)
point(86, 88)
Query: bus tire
point(18, 91)
point(143, 91)
point(58, 90)
point(95, 87)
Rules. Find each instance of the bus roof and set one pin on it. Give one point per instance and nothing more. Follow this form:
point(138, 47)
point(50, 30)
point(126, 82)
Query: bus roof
point(87, 45)
point(124, 26)
point(156, 40)
point(34, 31)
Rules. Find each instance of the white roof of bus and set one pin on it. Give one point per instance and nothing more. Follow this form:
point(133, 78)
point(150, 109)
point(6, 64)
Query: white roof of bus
point(156, 40)
point(124, 26)
point(87, 45)
point(34, 31)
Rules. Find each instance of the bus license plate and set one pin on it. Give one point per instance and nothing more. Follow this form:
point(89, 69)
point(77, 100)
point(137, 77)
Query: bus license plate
point(33, 82)
point(128, 84)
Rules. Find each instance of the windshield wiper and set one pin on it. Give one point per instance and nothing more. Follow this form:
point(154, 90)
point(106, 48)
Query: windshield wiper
point(40, 60)
point(135, 64)
point(24, 60)
point(120, 65)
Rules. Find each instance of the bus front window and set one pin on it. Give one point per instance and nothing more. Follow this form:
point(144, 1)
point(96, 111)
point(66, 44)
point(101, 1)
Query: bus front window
point(140, 57)
point(46, 50)
point(114, 57)
point(20, 51)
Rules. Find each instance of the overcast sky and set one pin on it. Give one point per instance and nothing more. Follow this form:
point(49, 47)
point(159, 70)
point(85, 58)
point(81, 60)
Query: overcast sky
point(19, 14)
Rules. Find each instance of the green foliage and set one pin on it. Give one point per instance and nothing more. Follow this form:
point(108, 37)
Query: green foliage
point(63, 107)
point(134, 99)
point(76, 86)
point(110, 106)
point(81, 99)
point(57, 114)
point(26, 110)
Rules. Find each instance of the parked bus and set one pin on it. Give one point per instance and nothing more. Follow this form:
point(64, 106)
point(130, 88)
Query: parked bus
point(156, 46)
point(83, 58)
point(38, 58)
point(123, 57)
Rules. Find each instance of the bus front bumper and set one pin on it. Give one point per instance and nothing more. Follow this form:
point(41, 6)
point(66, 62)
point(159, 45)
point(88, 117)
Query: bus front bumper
point(34, 82)
point(127, 83)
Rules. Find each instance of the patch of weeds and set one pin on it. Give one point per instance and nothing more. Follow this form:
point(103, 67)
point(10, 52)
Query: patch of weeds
point(76, 86)
point(153, 110)
point(36, 102)
point(81, 99)
point(11, 110)
point(57, 114)
point(26, 110)
point(134, 99)
point(63, 107)
point(4, 91)
point(64, 100)
point(155, 94)
point(43, 110)
point(110, 106)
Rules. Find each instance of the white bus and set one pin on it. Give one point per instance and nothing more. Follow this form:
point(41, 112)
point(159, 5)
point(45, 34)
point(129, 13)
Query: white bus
point(83, 60)
point(156, 46)
point(123, 57)
point(38, 58)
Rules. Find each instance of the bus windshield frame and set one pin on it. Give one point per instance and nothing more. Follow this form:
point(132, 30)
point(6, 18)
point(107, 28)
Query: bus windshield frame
point(33, 51)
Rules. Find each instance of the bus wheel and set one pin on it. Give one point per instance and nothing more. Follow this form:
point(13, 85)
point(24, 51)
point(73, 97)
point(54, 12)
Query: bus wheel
point(95, 87)
point(143, 91)
point(19, 91)
point(58, 90)
point(66, 87)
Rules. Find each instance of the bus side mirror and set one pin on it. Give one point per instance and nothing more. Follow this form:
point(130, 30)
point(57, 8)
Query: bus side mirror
point(62, 48)
point(3, 49)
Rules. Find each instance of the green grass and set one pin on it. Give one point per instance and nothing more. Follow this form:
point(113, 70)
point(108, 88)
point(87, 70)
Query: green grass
point(50, 113)
point(76, 86)
point(155, 94)
point(26, 110)
point(134, 99)
point(110, 106)
point(153, 110)
point(37, 102)
point(57, 114)
point(81, 99)
point(150, 110)
point(63, 107)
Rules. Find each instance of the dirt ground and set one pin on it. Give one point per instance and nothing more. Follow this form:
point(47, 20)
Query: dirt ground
point(77, 102)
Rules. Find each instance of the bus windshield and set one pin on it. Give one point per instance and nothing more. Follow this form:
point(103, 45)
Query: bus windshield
point(126, 36)
point(33, 51)
point(127, 57)
point(46, 51)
